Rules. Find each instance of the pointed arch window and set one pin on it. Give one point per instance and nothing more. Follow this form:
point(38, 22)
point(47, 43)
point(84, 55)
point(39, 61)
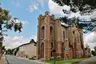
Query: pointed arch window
point(64, 36)
point(51, 31)
point(42, 32)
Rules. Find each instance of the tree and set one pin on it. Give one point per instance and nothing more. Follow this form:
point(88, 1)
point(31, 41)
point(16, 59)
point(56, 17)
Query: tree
point(94, 51)
point(82, 6)
point(16, 50)
point(9, 51)
point(7, 24)
point(3, 49)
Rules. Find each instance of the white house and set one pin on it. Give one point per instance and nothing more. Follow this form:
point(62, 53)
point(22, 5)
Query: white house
point(27, 50)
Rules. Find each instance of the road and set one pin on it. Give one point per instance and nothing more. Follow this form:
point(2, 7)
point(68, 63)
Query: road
point(91, 60)
point(15, 60)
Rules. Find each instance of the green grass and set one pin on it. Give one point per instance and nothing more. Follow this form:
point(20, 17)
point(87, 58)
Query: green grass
point(63, 61)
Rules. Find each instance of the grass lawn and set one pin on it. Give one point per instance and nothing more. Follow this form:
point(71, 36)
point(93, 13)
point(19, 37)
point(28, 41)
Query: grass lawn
point(64, 61)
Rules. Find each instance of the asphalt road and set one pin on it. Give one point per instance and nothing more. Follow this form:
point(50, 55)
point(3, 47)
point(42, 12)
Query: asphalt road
point(15, 60)
point(91, 60)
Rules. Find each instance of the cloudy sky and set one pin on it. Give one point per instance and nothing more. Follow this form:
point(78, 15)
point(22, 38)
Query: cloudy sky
point(28, 11)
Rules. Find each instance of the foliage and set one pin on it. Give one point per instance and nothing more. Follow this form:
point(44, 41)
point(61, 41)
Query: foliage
point(33, 58)
point(3, 48)
point(51, 58)
point(26, 56)
point(94, 51)
point(9, 51)
point(16, 50)
point(5, 19)
point(82, 5)
point(7, 24)
point(59, 58)
point(12, 51)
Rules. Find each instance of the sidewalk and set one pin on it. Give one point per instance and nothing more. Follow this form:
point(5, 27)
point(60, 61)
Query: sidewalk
point(2, 60)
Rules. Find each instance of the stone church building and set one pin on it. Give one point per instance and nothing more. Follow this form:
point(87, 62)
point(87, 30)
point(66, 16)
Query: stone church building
point(55, 37)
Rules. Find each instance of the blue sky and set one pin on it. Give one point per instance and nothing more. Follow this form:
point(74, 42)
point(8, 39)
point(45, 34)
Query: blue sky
point(26, 11)
point(20, 9)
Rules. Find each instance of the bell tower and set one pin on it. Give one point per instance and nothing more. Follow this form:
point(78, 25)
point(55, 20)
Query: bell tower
point(45, 36)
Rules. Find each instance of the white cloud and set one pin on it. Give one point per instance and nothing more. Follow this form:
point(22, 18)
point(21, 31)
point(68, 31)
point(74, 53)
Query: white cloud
point(35, 6)
point(90, 39)
point(17, 3)
point(41, 2)
point(93, 14)
point(12, 42)
point(74, 14)
point(54, 8)
point(34, 37)
point(22, 21)
point(31, 7)
point(15, 41)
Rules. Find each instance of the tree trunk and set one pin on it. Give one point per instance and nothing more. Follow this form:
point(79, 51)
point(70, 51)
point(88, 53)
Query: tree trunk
point(1, 39)
point(0, 50)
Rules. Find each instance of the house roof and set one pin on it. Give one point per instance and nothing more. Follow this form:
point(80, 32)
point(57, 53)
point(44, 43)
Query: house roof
point(32, 41)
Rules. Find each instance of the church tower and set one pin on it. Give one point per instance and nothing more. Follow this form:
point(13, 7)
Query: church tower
point(45, 36)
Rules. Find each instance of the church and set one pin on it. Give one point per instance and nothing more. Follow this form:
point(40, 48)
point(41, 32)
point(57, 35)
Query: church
point(55, 37)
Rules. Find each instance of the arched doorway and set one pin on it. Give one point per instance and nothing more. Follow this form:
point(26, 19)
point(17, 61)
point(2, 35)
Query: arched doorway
point(42, 50)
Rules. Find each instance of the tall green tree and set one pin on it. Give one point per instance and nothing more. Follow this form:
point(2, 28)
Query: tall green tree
point(6, 23)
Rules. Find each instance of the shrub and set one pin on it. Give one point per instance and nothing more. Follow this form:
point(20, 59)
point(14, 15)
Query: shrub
point(59, 57)
point(26, 56)
point(33, 58)
point(51, 58)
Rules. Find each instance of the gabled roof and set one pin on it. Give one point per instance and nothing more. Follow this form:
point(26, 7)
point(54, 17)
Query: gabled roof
point(32, 41)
